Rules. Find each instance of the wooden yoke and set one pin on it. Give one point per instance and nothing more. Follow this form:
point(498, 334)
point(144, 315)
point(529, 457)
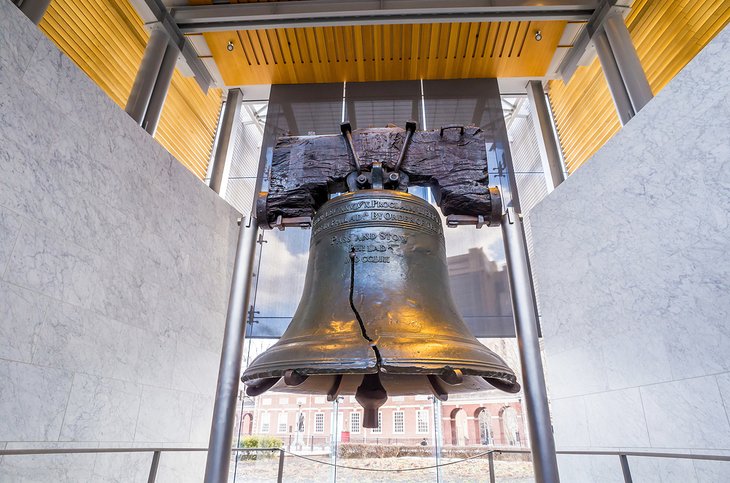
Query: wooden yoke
point(306, 170)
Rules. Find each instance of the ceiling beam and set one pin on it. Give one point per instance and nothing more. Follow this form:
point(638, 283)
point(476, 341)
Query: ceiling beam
point(323, 13)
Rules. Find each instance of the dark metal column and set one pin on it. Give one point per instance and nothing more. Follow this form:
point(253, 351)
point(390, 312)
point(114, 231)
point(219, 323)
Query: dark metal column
point(627, 60)
point(229, 372)
point(144, 83)
point(34, 9)
point(548, 144)
point(542, 444)
point(226, 136)
point(162, 85)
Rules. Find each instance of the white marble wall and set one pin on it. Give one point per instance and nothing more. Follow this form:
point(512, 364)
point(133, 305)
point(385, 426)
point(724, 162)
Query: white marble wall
point(114, 272)
point(632, 257)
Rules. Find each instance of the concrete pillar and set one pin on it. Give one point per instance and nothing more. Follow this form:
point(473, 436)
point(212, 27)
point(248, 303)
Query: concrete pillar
point(34, 9)
point(226, 137)
point(162, 85)
point(144, 83)
point(546, 140)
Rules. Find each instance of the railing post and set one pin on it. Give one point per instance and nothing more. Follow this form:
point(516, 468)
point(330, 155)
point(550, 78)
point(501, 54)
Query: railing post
point(153, 467)
point(625, 468)
point(492, 476)
point(280, 477)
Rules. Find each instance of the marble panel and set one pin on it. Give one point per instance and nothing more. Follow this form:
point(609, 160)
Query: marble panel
point(32, 401)
point(101, 409)
point(576, 372)
point(164, 415)
point(52, 266)
point(10, 223)
point(709, 471)
point(662, 470)
point(193, 369)
point(177, 467)
point(574, 434)
point(686, 414)
point(584, 469)
point(55, 77)
point(58, 468)
point(18, 38)
point(155, 361)
point(202, 418)
point(21, 312)
point(616, 419)
point(122, 467)
point(76, 339)
point(632, 359)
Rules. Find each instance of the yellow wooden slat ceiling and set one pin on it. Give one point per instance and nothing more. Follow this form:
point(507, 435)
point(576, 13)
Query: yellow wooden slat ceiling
point(385, 52)
point(667, 35)
point(105, 38)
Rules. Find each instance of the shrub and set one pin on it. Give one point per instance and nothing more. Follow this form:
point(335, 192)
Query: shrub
point(358, 450)
point(259, 442)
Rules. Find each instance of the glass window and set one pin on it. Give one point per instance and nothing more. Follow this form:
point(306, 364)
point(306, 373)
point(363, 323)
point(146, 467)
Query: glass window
point(319, 423)
point(265, 422)
point(422, 421)
point(281, 426)
point(399, 422)
point(355, 422)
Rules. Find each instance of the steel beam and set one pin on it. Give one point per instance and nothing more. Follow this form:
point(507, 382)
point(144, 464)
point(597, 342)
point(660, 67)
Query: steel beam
point(548, 144)
point(320, 13)
point(226, 137)
point(627, 61)
point(144, 82)
point(159, 93)
point(615, 82)
point(155, 11)
point(229, 372)
point(542, 444)
point(34, 9)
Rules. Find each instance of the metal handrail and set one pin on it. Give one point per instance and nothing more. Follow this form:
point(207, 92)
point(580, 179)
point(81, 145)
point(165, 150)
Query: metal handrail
point(157, 451)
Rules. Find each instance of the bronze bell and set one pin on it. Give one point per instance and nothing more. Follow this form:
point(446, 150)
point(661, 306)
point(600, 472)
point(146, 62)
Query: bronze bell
point(376, 318)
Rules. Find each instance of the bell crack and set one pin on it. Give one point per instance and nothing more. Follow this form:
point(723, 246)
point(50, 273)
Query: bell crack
point(363, 331)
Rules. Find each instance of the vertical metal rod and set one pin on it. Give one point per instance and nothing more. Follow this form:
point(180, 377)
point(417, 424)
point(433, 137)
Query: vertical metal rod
point(492, 476)
point(615, 82)
point(625, 468)
point(542, 443)
point(162, 85)
point(335, 430)
point(548, 144)
point(627, 61)
point(280, 476)
point(144, 83)
point(224, 411)
point(34, 9)
point(437, 436)
point(153, 468)
point(226, 138)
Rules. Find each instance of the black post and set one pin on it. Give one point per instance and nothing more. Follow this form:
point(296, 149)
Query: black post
point(625, 468)
point(280, 477)
point(153, 467)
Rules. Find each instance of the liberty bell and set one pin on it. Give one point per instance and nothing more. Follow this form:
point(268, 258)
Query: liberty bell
point(376, 318)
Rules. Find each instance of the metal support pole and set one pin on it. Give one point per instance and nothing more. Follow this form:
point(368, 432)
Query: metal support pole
point(34, 9)
point(437, 436)
point(492, 476)
point(627, 60)
point(620, 96)
point(144, 83)
point(226, 136)
point(542, 443)
point(162, 85)
point(280, 476)
point(548, 144)
point(229, 372)
point(153, 468)
point(625, 468)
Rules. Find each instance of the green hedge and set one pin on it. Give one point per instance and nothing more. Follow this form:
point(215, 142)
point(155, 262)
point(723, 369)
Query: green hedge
point(259, 442)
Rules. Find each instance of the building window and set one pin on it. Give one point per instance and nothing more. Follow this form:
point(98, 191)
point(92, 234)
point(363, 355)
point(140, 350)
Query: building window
point(266, 402)
point(319, 423)
point(281, 426)
point(283, 401)
point(421, 421)
point(319, 400)
point(355, 422)
point(379, 429)
point(399, 424)
point(265, 422)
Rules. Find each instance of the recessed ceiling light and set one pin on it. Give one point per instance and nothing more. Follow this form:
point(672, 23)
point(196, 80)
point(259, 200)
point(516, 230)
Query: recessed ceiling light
point(538, 36)
point(229, 47)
